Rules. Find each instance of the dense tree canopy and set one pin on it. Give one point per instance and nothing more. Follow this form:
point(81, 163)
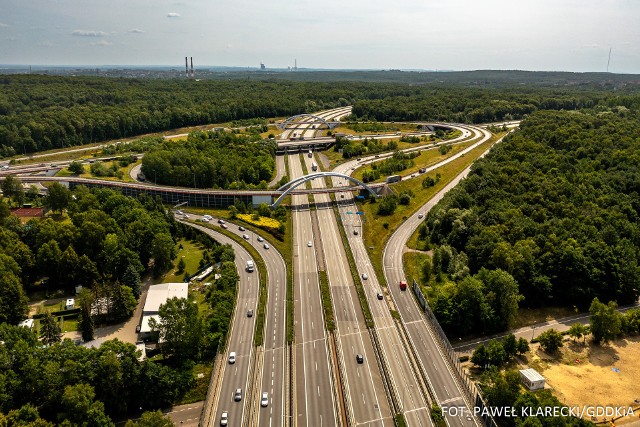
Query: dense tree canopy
point(556, 206)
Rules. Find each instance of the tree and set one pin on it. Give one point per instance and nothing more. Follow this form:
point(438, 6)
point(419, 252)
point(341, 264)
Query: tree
point(180, 328)
point(480, 356)
point(76, 168)
point(606, 323)
point(131, 278)
point(163, 251)
point(522, 346)
point(33, 192)
point(79, 407)
point(58, 197)
point(577, 331)
point(504, 288)
point(496, 353)
point(151, 419)
point(10, 186)
point(550, 340)
point(388, 205)
point(181, 266)
point(123, 302)
point(50, 331)
point(510, 345)
point(13, 300)
point(86, 325)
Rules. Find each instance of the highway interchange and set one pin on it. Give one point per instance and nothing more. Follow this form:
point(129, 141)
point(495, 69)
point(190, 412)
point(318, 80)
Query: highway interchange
point(402, 370)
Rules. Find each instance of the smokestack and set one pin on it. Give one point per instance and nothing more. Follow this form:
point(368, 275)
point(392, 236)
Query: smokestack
point(193, 74)
point(186, 66)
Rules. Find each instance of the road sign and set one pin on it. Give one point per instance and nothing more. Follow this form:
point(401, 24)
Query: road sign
point(349, 212)
point(360, 213)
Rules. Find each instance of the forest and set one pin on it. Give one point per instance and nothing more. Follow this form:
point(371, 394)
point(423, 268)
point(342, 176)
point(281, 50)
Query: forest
point(554, 207)
point(212, 160)
point(105, 242)
point(39, 112)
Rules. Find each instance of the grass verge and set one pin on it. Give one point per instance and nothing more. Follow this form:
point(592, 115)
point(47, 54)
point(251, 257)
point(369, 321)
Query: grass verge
point(378, 228)
point(412, 263)
point(191, 253)
point(325, 293)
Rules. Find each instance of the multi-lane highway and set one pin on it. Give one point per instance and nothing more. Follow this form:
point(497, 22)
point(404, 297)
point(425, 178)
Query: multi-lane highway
point(237, 375)
point(363, 384)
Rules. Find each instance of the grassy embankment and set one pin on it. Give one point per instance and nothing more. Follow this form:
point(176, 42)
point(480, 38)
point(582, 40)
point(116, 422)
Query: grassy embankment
point(378, 228)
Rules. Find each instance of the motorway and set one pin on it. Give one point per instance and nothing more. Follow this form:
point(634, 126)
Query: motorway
point(240, 340)
point(363, 385)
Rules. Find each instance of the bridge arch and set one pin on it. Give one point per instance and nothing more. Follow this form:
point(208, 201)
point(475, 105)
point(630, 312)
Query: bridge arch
point(291, 185)
point(291, 119)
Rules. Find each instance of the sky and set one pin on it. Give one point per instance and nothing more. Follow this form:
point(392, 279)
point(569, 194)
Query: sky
point(551, 35)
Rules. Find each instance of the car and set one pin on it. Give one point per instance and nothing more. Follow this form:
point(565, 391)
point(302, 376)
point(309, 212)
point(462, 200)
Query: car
point(237, 396)
point(245, 236)
point(225, 226)
point(207, 217)
point(309, 243)
point(359, 358)
point(266, 246)
point(342, 196)
point(179, 213)
point(232, 357)
point(359, 158)
point(264, 402)
point(224, 418)
point(364, 276)
point(420, 216)
point(241, 228)
point(355, 232)
point(186, 216)
point(221, 221)
point(250, 313)
point(413, 175)
point(205, 220)
point(137, 329)
point(259, 239)
point(379, 296)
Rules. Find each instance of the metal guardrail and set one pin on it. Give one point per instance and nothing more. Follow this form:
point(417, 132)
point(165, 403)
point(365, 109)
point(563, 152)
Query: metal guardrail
point(389, 385)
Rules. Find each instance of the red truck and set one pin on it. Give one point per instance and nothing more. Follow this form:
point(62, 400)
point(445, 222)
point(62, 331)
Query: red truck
point(403, 285)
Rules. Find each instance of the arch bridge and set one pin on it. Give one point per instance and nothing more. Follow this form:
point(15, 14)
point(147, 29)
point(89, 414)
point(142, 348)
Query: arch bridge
point(313, 117)
point(291, 185)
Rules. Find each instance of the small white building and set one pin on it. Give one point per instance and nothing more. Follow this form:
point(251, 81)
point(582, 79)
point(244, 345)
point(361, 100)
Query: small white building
point(532, 379)
point(27, 323)
point(157, 296)
point(70, 305)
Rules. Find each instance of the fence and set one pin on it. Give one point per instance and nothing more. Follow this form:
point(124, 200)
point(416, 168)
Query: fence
point(473, 394)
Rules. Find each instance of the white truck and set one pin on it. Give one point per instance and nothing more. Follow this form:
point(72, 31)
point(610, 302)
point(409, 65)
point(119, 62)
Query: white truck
point(250, 266)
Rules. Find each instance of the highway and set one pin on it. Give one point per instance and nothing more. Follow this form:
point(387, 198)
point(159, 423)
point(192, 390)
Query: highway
point(363, 384)
point(432, 360)
point(240, 340)
point(314, 389)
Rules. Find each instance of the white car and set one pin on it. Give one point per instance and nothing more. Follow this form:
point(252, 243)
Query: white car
point(264, 402)
point(309, 243)
point(266, 246)
point(224, 418)
point(245, 236)
point(205, 220)
point(420, 216)
point(364, 276)
point(179, 213)
point(207, 217)
point(232, 357)
point(259, 239)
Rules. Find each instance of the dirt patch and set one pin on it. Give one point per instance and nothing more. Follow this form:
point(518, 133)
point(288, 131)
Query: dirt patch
point(594, 375)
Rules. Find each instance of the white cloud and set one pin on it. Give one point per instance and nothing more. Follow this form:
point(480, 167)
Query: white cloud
point(101, 43)
point(85, 33)
point(136, 30)
point(173, 15)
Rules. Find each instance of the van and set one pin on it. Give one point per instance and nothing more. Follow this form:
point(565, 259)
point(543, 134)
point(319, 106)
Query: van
point(250, 266)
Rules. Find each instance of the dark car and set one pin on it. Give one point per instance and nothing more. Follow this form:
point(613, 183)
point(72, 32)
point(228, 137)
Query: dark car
point(359, 358)
point(380, 296)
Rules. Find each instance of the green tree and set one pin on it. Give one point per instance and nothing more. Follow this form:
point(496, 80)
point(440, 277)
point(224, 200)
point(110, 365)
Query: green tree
point(504, 292)
point(577, 331)
point(76, 168)
point(131, 278)
point(58, 197)
point(50, 331)
point(550, 340)
point(123, 302)
point(522, 346)
point(79, 406)
point(86, 325)
point(181, 266)
point(163, 252)
point(180, 327)
point(33, 192)
point(151, 419)
point(10, 186)
point(606, 323)
point(497, 354)
point(13, 300)
point(426, 270)
point(510, 345)
point(480, 356)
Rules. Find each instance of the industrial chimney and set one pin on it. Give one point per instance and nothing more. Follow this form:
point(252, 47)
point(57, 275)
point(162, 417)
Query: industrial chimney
point(186, 66)
point(193, 74)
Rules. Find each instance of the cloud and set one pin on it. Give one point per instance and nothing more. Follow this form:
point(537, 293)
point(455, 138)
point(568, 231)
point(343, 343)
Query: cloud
point(173, 15)
point(136, 30)
point(3, 25)
point(101, 43)
point(45, 44)
point(85, 33)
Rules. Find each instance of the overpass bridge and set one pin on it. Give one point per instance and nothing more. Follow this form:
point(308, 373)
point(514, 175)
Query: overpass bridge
point(207, 198)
